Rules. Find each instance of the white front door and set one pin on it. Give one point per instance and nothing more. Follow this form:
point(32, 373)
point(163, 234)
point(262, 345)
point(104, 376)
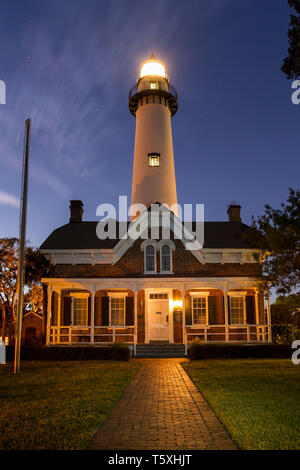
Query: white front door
point(159, 319)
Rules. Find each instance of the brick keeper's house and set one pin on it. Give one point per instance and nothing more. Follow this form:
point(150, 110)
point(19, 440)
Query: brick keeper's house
point(153, 292)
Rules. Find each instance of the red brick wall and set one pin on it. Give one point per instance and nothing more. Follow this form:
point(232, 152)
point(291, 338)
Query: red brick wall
point(131, 264)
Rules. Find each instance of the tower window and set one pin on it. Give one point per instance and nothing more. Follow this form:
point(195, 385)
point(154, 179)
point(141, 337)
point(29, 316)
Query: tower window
point(153, 159)
point(154, 85)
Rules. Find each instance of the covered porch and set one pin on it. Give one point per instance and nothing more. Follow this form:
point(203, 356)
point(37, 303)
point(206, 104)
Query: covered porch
point(144, 311)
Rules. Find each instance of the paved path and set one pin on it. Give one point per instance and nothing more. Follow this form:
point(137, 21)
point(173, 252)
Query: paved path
point(161, 409)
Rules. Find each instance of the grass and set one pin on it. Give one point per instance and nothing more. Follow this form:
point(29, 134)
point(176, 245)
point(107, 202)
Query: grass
point(58, 405)
point(257, 400)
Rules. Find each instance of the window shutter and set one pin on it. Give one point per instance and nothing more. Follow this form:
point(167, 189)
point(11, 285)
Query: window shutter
point(212, 310)
point(250, 310)
point(188, 310)
point(89, 310)
point(129, 320)
point(97, 319)
point(67, 306)
point(105, 311)
point(228, 303)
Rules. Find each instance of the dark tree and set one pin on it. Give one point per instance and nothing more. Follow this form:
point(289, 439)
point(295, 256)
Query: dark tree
point(36, 265)
point(291, 64)
point(277, 234)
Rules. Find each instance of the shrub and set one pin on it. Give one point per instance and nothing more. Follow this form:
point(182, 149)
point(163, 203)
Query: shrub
point(284, 334)
point(238, 351)
point(116, 352)
point(120, 352)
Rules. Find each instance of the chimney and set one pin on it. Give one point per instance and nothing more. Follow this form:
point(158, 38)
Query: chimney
point(76, 211)
point(234, 212)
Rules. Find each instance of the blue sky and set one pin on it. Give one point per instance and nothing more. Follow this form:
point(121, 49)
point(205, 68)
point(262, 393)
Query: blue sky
point(68, 65)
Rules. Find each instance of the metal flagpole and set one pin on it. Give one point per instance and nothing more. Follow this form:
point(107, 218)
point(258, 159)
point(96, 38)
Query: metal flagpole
point(22, 239)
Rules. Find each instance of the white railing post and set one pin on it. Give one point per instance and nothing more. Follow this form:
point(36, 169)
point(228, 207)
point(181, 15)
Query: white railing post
point(92, 326)
point(205, 333)
point(226, 316)
point(248, 333)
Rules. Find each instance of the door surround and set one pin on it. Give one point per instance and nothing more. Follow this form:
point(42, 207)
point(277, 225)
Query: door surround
point(158, 290)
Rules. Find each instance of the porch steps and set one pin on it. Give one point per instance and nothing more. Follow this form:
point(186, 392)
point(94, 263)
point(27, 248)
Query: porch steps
point(159, 350)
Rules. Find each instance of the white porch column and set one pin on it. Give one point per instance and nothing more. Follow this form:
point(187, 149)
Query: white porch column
point(256, 308)
point(135, 321)
point(226, 315)
point(49, 312)
point(92, 316)
point(257, 315)
point(184, 335)
point(269, 318)
point(58, 315)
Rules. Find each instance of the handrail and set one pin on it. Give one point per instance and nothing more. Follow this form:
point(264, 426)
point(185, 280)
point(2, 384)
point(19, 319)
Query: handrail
point(143, 87)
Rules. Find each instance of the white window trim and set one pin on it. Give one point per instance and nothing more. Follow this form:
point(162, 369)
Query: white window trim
point(240, 295)
point(117, 295)
point(145, 258)
point(171, 245)
point(197, 295)
point(79, 295)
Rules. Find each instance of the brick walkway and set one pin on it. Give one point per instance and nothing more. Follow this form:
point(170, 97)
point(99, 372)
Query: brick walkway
point(161, 409)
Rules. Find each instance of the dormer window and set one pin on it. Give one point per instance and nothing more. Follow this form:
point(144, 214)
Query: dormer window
point(153, 159)
point(150, 258)
point(165, 258)
point(166, 247)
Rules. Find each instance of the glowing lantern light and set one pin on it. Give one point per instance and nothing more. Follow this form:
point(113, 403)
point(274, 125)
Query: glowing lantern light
point(153, 67)
point(176, 304)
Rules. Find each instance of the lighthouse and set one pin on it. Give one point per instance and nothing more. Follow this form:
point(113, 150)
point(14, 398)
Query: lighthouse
point(153, 101)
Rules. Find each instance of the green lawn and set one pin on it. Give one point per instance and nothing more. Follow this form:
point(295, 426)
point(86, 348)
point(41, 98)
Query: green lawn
point(58, 405)
point(258, 400)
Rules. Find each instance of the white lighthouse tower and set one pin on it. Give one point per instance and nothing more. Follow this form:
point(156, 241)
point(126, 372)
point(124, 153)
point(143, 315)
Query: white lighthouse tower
point(153, 101)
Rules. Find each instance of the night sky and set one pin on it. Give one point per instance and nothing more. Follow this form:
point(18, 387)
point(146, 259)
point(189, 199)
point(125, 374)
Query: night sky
point(68, 65)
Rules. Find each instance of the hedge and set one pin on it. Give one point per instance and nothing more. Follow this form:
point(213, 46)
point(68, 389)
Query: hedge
point(238, 351)
point(284, 333)
point(116, 352)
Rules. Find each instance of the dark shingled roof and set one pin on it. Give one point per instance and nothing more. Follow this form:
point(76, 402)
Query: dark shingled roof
point(82, 235)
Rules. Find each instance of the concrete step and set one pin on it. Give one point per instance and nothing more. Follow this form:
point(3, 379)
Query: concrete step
point(159, 350)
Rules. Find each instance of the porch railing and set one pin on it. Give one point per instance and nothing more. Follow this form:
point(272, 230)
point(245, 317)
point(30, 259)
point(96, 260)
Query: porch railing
point(228, 333)
point(97, 335)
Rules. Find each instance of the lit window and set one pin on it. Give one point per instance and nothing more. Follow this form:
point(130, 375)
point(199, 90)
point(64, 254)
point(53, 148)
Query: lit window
point(158, 296)
point(165, 258)
point(236, 310)
point(80, 311)
point(154, 85)
point(153, 159)
point(199, 310)
point(117, 311)
point(150, 258)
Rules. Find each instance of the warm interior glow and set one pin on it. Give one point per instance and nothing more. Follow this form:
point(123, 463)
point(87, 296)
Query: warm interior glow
point(153, 67)
point(175, 304)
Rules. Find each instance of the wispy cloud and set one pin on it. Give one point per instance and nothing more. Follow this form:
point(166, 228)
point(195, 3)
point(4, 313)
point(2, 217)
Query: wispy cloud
point(71, 79)
point(9, 199)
